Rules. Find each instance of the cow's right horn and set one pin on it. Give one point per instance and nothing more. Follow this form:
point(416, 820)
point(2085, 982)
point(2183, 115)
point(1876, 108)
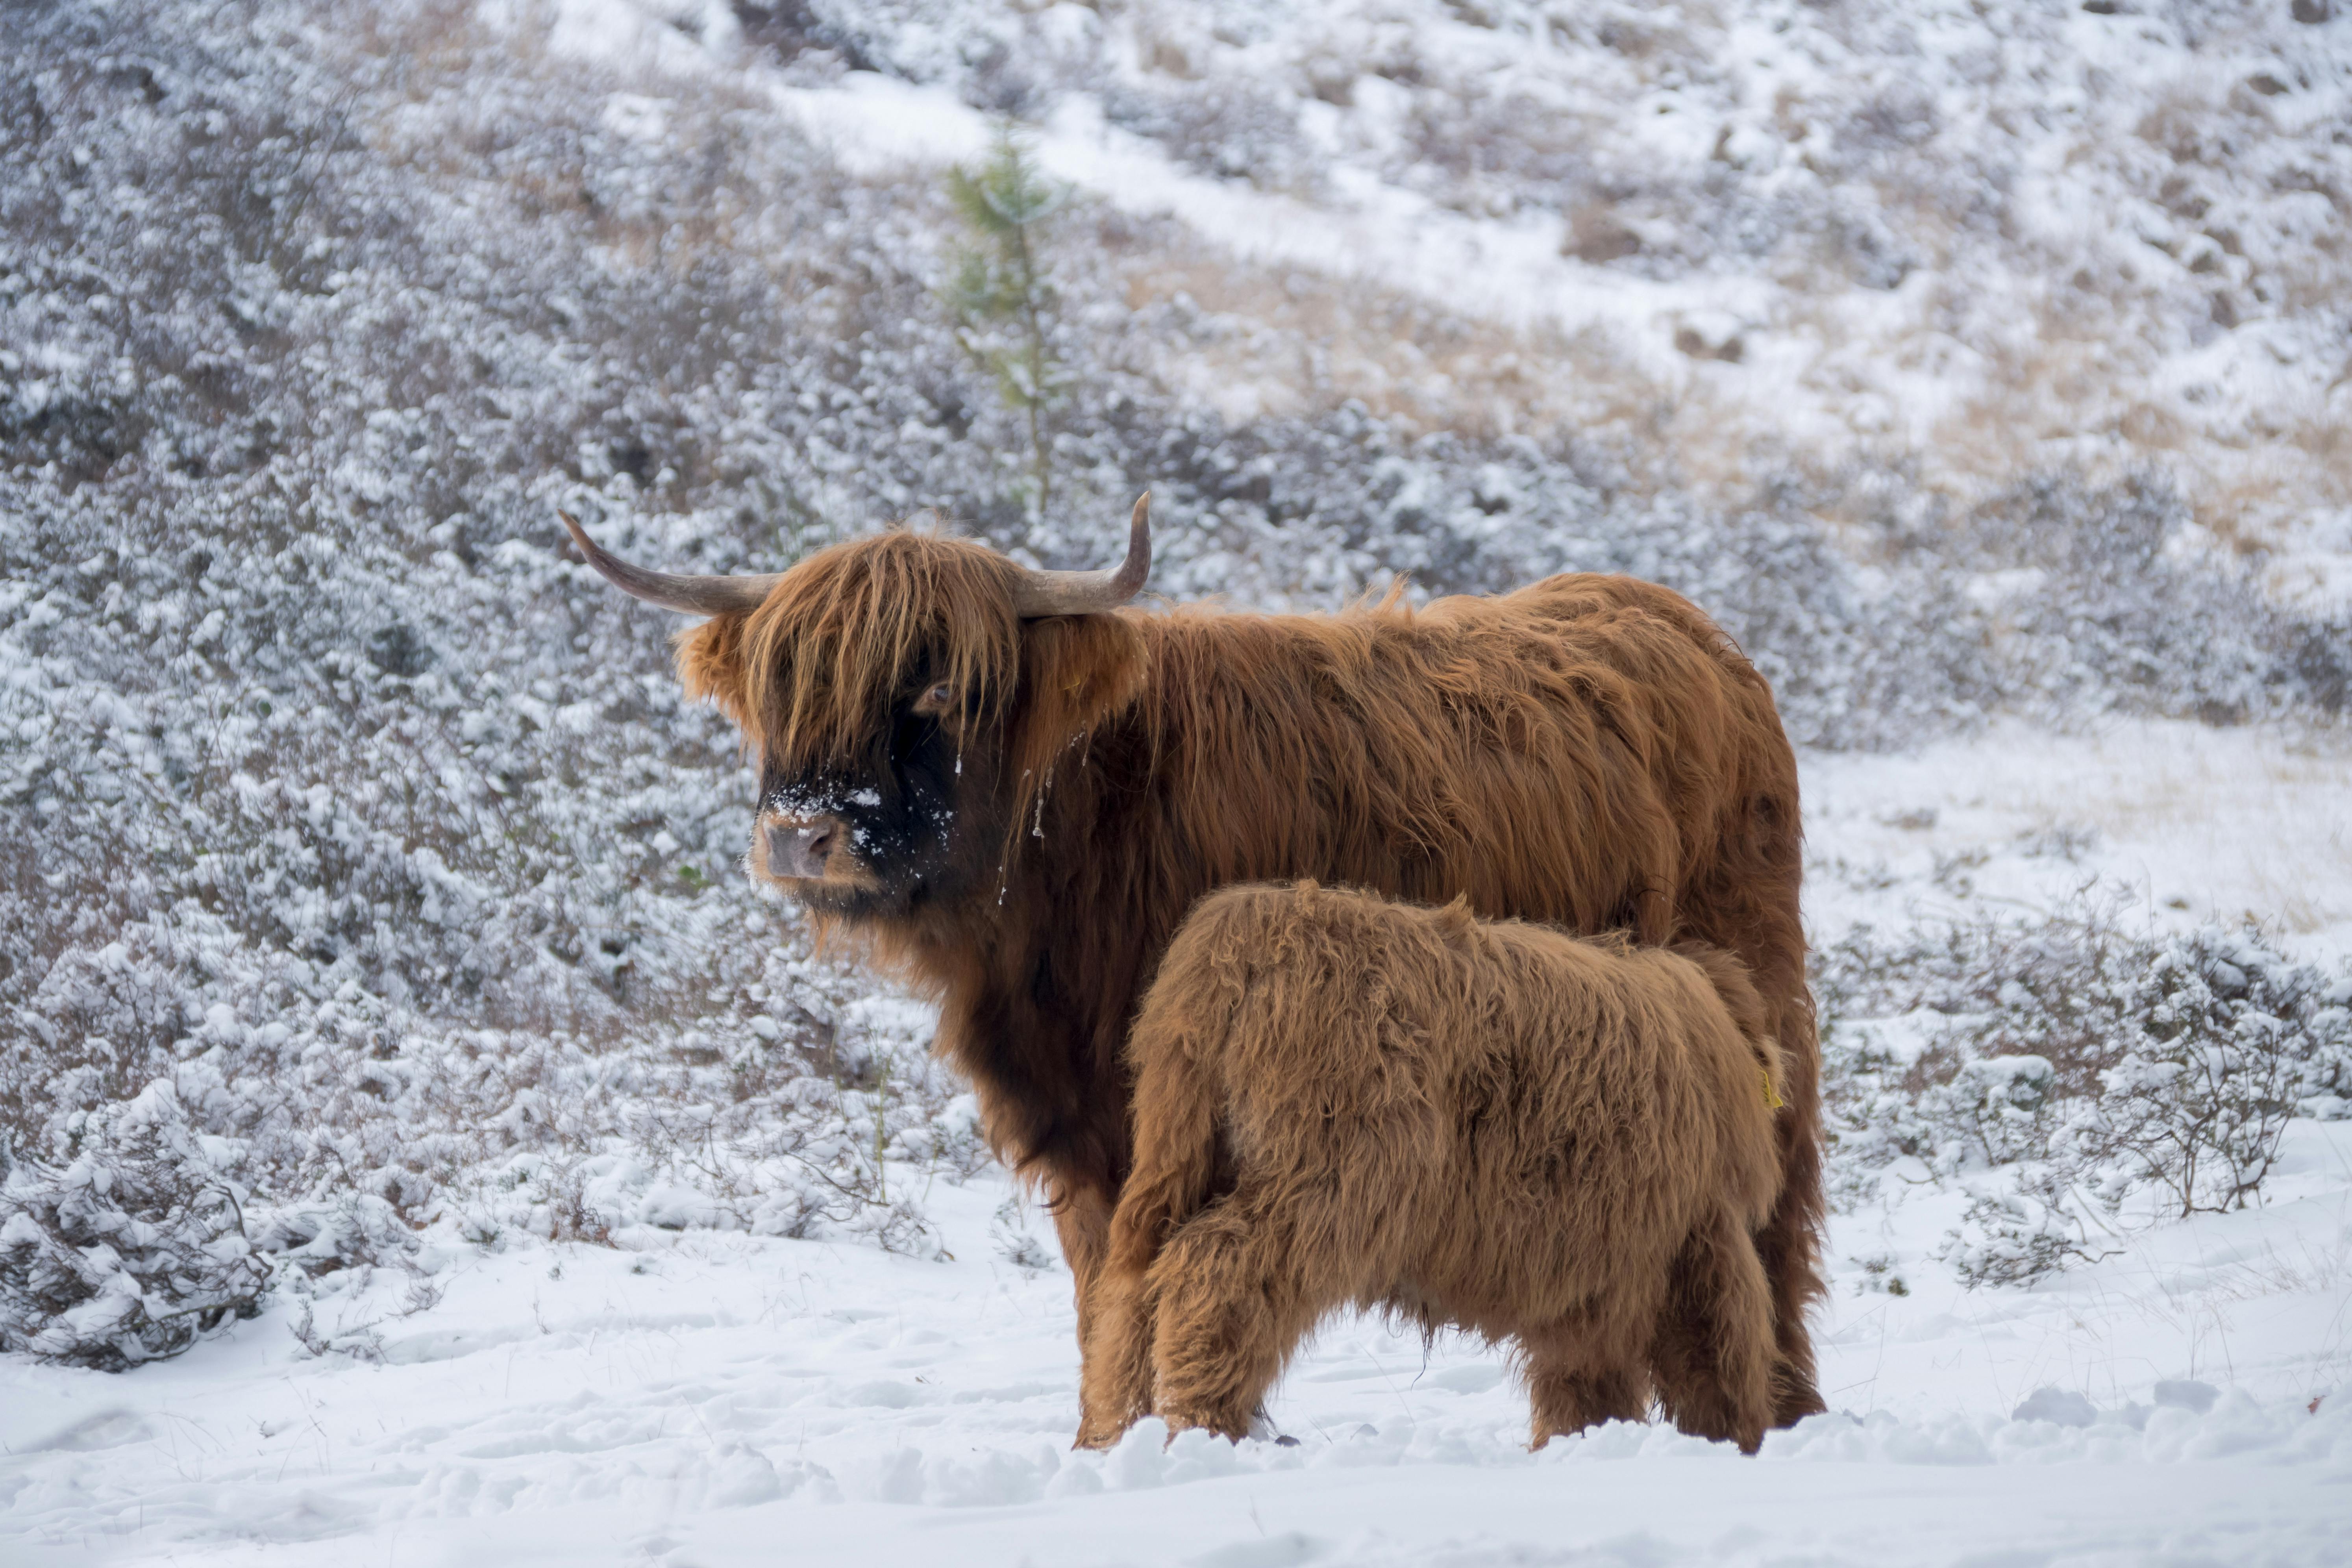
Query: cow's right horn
point(694, 595)
point(1083, 593)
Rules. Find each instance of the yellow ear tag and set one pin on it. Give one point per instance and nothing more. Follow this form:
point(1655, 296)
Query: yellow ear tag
point(1772, 1100)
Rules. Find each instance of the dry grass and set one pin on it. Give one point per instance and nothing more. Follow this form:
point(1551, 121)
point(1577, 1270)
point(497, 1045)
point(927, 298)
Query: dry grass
point(2072, 383)
point(1293, 342)
point(2026, 351)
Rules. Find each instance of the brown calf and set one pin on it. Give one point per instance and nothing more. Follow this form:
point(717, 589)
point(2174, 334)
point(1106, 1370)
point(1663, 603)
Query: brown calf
point(1497, 1127)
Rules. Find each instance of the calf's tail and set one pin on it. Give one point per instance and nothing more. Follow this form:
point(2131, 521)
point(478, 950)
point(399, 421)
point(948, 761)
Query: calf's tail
point(1740, 999)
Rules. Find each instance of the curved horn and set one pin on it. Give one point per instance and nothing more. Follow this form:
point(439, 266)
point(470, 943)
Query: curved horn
point(694, 595)
point(1083, 593)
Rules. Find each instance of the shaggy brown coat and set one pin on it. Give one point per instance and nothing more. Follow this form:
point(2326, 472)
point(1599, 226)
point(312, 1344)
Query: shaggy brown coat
point(1339, 1099)
point(1589, 751)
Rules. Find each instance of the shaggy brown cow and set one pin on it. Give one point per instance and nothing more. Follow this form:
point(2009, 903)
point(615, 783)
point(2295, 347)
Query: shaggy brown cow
point(1563, 1143)
point(1014, 791)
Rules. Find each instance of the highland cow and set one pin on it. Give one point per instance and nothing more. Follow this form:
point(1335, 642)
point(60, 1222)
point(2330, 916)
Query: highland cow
point(1562, 1143)
point(1013, 789)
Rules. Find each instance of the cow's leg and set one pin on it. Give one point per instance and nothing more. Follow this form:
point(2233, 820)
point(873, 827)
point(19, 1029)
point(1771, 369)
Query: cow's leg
point(1581, 1372)
point(1790, 1243)
point(1748, 906)
point(1788, 1247)
point(1115, 1352)
point(1714, 1357)
point(1082, 1218)
point(1231, 1308)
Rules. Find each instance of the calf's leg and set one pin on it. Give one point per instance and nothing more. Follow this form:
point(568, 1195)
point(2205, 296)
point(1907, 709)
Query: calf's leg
point(1714, 1354)
point(1230, 1307)
point(1118, 1300)
point(1579, 1374)
point(1115, 1355)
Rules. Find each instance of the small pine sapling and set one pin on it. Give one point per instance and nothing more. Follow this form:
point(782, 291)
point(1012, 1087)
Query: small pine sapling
point(1002, 297)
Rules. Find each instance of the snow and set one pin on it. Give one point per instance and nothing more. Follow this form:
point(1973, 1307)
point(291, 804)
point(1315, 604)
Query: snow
point(1371, 232)
point(2195, 823)
point(701, 1395)
point(703, 1398)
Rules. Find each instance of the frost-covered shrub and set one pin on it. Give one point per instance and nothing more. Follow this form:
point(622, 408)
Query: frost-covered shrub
point(332, 794)
point(352, 1230)
point(2093, 604)
point(126, 1244)
point(2229, 1042)
point(1009, 1233)
point(2073, 1079)
point(330, 1251)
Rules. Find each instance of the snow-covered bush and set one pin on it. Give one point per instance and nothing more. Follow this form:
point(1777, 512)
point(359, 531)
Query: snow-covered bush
point(2230, 1041)
point(126, 1244)
point(351, 1231)
point(330, 793)
point(2074, 1078)
point(2091, 605)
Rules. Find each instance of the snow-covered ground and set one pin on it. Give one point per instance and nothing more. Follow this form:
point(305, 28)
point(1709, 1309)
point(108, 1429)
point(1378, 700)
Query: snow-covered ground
point(2192, 823)
point(703, 1398)
point(708, 1397)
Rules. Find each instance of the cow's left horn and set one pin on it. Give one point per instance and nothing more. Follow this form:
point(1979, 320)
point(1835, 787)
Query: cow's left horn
point(1082, 593)
point(694, 595)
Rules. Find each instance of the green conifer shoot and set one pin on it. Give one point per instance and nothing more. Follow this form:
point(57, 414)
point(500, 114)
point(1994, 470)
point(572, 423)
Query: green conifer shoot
point(1001, 294)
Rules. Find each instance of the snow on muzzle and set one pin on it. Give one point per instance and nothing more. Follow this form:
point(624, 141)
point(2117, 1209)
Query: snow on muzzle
point(799, 847)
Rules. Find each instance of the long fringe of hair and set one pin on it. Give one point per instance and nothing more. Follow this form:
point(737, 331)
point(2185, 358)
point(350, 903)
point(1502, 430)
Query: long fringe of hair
point(845, 633)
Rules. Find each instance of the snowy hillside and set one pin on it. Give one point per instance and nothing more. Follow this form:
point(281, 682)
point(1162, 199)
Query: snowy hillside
point(374, 951)
point(1985, 240)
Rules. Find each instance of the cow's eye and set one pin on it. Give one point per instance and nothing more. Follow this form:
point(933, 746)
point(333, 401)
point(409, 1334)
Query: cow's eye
point(940, 697)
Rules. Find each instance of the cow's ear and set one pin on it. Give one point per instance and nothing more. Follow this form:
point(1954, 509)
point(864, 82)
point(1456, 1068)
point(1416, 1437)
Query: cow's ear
point(711, 666)
point(1076, 672)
